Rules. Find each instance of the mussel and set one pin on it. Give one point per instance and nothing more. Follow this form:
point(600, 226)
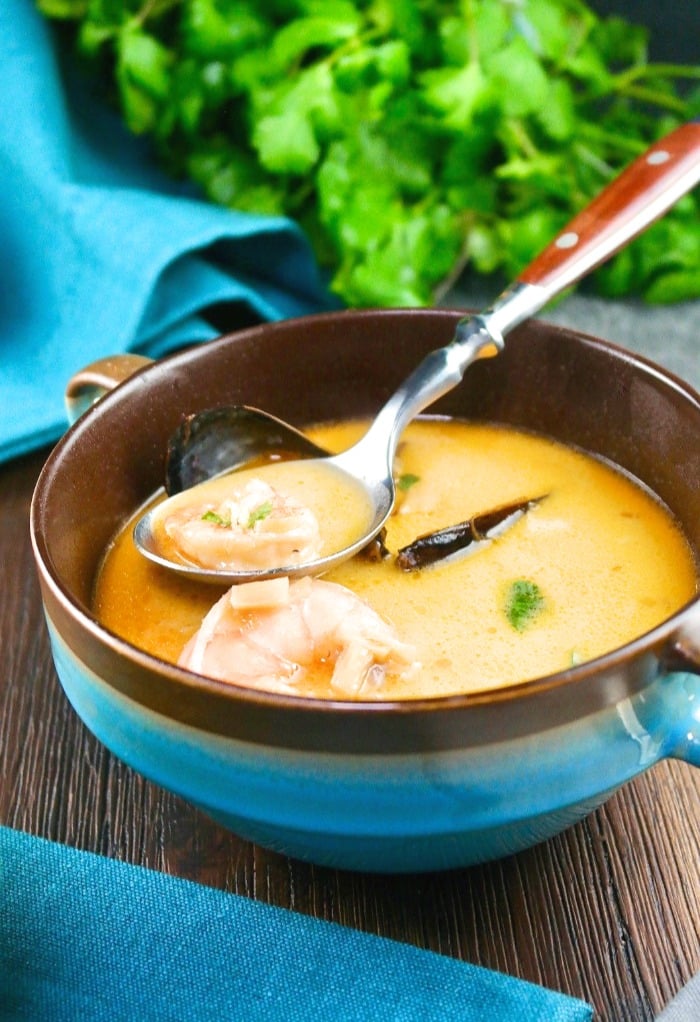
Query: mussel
point(222, 439)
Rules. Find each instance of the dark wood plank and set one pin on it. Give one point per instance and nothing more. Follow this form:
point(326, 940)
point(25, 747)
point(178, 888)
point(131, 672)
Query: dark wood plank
point(608, 911)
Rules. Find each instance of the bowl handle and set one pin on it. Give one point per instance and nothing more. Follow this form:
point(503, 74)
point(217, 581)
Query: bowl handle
point(680, 667)
point(88, 385)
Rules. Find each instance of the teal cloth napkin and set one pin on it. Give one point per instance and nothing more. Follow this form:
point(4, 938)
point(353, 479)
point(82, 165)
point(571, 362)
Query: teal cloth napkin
point(100, 253)
point(90, 938)
point(85, 937)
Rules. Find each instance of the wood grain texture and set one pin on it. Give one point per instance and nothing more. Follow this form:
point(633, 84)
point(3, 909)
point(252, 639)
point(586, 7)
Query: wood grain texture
point(608, 911)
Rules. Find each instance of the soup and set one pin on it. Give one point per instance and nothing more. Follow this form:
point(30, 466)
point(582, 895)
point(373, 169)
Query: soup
point(590, 561)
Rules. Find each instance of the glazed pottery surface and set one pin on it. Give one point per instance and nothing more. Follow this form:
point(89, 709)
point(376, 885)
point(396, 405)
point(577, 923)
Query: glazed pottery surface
point(378, 786)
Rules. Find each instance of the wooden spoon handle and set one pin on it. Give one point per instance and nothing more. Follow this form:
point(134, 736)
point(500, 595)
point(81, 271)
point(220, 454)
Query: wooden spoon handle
point(638, 196)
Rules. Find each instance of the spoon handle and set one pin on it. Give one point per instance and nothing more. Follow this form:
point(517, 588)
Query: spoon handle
point(645, 190)
point(642, 193)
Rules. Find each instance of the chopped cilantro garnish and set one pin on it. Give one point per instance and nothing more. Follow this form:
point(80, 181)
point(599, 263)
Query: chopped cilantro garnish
point(524, 602)
point(211, 516)
point(406, 481)
point(258, 513)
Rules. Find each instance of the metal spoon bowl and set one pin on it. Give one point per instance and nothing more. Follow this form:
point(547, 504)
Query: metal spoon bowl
point(626, 207)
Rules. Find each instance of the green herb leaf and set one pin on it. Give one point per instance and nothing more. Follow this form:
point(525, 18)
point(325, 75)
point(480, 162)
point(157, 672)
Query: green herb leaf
point(456, 93)
point(286, 144)
point(406, 481)
point(143, 75)
point(338, 21)
point(259, 513)
point(524, 602)
point(212, 30)
point(215, 519)
point(63, 8)
point(519, 78)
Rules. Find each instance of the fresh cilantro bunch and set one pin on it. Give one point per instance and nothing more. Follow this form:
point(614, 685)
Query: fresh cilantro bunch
point(409, 138)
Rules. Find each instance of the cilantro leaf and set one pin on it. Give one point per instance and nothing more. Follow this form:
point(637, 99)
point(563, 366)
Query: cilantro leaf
point(406, 481)
point(259, 513)
point(216, 519)
point(524, 602)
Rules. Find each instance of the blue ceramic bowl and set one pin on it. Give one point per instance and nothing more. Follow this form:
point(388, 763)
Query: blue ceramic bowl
point(423, 785)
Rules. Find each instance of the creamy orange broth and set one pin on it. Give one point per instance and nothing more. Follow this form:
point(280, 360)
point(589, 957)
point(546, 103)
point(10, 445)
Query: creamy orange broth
point(608, 558)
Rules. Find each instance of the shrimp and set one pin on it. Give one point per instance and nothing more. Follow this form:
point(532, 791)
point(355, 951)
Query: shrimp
point(255, 527)
point(297, 636)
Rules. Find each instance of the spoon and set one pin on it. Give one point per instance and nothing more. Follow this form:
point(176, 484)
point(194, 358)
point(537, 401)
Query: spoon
point(642, 193)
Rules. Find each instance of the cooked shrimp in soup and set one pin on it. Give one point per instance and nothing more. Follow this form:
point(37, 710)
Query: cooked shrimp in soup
point(253, 526)
point(273, 634)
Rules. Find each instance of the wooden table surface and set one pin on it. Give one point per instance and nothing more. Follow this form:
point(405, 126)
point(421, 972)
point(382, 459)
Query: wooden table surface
point(608, 911)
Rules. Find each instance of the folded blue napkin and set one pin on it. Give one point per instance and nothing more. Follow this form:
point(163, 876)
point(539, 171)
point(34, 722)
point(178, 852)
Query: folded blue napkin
point(100, 252)
point(89, 938)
